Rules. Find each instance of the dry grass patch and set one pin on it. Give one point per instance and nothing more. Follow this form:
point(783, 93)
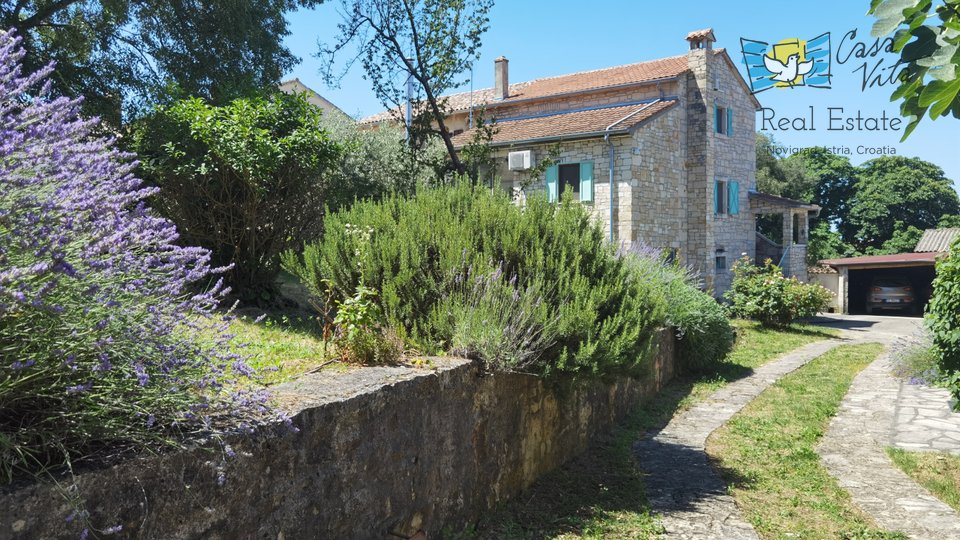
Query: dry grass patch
point(767, 453)
point(936, 471)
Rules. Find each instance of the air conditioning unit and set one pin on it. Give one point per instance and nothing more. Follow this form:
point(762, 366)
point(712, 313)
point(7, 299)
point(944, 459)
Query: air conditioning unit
point(520, 161)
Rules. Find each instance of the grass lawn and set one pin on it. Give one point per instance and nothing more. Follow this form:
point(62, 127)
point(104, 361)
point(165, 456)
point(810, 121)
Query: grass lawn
point(282, 348)
point(601, 494)
point(767, 453)
point(938, 472)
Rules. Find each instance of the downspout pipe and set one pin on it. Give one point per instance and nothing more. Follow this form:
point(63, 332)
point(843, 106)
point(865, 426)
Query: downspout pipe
point(611, 155)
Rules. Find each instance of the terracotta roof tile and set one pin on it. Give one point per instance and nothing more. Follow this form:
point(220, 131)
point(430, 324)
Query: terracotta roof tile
point(700, 34)
point(571, 124)
point(597, 79)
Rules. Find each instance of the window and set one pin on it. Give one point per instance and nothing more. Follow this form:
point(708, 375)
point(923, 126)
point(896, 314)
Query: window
point(721, 262)
point(570, 178)
point(720, 197)
point(577, 177)
point(726, 197)
point(723, 120)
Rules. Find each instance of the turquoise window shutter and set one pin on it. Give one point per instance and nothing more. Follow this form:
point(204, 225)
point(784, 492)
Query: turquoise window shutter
point(586, 181)
point(553, 180)
point(729, 122)
point(716, 196)
point(734, 189)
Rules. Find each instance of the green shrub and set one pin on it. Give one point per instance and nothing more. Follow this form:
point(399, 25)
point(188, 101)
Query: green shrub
point(703, 328)
point(602, 314)
point(494, 320)
point(248, 180)
point(943, 317)
point(763, 294)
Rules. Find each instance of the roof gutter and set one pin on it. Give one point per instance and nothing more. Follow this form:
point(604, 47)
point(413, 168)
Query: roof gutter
point(560, 138)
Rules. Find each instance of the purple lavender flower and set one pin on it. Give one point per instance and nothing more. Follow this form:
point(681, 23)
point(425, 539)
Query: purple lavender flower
point(94, 286)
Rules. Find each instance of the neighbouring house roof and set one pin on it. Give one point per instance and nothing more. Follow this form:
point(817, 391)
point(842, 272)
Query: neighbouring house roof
point(784, 202)
point(571, 125)
point(937, 240)
point(296, 86)
point(900, 259)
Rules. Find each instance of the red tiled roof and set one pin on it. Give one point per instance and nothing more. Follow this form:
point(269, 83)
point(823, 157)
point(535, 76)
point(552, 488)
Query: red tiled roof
point(571, 124)
point(891, 260)
point(597, 79)
point(700, 34)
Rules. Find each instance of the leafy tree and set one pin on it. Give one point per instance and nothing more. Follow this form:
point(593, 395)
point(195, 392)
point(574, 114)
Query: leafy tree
point(373, 162)
point(248, 180)
point(904, 239)
point(833, 179)
point(783, 177)
point(123, 54)
point(896, 189)
point(930, 54)
point(433, 42)
point(949, 221)
point(826, 243)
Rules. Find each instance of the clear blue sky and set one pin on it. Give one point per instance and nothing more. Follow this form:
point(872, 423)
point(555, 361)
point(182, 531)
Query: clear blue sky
point(545, 38)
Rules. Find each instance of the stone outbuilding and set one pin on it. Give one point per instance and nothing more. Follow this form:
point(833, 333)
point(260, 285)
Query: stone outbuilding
point(662, 151)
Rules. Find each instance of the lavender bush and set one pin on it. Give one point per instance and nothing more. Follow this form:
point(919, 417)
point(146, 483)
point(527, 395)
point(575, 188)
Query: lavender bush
point(704, 331)
point(105, 340)
point(493, 319)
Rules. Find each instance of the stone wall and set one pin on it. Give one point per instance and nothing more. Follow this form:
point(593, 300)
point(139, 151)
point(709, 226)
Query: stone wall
point(577, 151)
point(734, 158)
point(380, 450)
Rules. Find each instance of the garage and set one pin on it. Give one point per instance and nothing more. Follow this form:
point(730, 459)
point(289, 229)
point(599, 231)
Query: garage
point(909, 274)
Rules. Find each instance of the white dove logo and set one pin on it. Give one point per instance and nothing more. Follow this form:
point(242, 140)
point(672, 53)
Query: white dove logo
point(787, 73)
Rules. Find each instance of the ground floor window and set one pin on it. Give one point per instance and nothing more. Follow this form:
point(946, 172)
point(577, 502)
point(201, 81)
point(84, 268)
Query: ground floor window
point(570, 177)
point(577, 177)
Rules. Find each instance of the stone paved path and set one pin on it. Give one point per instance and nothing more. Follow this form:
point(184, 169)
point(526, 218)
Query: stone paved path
point(682, 487)
point(923, 420)
point(853, 451)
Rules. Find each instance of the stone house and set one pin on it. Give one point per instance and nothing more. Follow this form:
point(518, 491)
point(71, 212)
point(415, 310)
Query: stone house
point(662, 151)
point(295, 86)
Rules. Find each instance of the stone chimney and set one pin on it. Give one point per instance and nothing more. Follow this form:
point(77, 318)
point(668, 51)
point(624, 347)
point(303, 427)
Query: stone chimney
point(701, 39)
point(501, 81)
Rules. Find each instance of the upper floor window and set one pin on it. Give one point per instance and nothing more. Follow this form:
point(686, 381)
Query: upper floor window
point(723, 120)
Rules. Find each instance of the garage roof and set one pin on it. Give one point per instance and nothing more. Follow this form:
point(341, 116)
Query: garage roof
point(937, 239)
point(900, 259)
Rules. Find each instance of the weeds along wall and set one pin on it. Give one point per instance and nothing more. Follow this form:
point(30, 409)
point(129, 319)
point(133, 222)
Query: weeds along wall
point(379, 450)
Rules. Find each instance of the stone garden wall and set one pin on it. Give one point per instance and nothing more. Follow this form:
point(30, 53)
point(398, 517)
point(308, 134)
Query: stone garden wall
point(379, 450)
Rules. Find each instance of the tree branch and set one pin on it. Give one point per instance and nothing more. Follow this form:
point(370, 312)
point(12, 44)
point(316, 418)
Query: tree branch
point(43, 14)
